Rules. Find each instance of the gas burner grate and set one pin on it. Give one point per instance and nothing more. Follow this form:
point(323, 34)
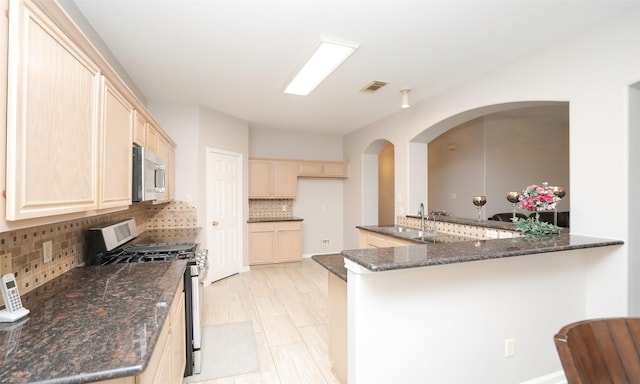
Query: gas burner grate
point(143, 253)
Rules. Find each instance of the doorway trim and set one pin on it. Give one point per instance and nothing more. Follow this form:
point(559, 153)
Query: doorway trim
point(235, 201)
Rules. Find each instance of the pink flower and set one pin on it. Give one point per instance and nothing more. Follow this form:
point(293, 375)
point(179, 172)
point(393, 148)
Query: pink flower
point(538, 198)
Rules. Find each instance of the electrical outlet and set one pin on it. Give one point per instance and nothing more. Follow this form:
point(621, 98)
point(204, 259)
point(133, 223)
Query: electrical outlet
point(325, 243)
point(284, 208)
point(453, 196)
point(47, 251)
point(509, 347)
point(6, 265)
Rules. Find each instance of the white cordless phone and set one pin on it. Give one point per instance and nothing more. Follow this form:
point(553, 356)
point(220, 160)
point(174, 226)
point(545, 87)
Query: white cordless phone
point(13, 304)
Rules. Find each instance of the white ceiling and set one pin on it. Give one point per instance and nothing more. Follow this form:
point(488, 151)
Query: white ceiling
point(236, 56)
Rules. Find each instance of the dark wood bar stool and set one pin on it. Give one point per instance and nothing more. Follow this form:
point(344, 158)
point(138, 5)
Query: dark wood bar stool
point(600, 351)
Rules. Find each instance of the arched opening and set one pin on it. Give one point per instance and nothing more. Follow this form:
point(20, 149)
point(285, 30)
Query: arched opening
point(378, 184)
point(490, 151)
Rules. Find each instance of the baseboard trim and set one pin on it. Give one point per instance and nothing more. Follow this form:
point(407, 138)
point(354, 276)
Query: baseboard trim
point(552, 378)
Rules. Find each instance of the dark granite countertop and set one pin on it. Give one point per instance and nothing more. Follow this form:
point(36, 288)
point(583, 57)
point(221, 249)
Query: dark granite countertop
point(334, 263)
point(273, 219)
point(90, 324)
point(413, 256)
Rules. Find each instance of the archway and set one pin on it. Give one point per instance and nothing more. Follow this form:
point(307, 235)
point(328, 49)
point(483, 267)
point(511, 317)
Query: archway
point(488, 176)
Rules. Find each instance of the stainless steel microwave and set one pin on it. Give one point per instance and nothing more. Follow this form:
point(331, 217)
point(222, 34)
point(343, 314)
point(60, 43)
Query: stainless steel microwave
point(149, 175)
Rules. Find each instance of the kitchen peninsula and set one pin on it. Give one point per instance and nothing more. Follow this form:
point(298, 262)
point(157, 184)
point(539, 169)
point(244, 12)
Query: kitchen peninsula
point(475, 311)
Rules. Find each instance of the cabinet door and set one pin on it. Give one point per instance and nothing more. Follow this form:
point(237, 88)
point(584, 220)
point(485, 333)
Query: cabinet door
point(150, 141)
point(375, 241)
point(285, 180)
point(310, 169)
point(139, 129)
point(289, 241)
point(115, 179)
point(52, 120)
point(162, 150)
point(336, 170)
point(178, 345)
point(260, 179)
point(171, 173)
point(262, 243)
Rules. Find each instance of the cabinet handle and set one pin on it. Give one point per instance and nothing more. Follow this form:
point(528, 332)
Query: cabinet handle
point(214, 223)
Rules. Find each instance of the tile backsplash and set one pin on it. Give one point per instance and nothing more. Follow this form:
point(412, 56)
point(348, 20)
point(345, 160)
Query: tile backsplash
point(69, 239)
point(270, 208)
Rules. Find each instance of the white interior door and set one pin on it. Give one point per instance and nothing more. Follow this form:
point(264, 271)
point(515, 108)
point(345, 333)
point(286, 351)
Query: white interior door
point(224, 213)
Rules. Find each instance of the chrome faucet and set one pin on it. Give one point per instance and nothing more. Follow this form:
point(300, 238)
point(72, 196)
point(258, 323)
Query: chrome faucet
point(433, 215)
point(421, 213)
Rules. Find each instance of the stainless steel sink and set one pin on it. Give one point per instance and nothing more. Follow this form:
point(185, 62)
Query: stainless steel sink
point(397, 229)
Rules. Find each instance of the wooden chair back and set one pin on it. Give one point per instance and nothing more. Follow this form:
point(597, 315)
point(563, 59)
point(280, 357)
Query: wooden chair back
point(601, 351)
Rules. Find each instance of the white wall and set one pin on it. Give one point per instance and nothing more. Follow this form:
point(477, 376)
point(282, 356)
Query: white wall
point(449, 323)
point(458, 171)
point(496, 154)
point(319, 201)
point(592, 72)
point(634, 203)
point(194, 129)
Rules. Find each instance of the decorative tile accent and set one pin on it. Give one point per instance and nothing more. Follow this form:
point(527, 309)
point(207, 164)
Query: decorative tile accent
point(269, 208)
point(69, 240)
point(176, 214)
point(472, 231)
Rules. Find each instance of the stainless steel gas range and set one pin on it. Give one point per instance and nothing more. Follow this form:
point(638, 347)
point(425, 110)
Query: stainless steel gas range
point(120, 243)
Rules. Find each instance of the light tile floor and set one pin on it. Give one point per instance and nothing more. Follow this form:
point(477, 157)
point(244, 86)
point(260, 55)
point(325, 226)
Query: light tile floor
point(287, 304)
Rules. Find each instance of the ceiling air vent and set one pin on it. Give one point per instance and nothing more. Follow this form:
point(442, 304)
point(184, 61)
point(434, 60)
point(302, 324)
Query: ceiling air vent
point(374, 86)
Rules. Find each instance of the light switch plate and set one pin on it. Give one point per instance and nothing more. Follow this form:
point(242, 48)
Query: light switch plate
point(47, 251)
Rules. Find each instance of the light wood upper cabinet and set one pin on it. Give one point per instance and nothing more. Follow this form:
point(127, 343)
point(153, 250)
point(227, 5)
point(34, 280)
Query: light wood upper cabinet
point(139, 129)
point(151, 139)
point(52, 120)
point(163, 151)
point(278, 178)
point(69, 121)
point(329, 169)
point(115, 185)
point(272, 179)
point(171, 173)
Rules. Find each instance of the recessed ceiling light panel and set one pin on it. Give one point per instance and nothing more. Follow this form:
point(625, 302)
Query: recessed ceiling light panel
point(325, 59)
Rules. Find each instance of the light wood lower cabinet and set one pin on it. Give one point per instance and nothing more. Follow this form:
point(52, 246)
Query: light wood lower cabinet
point(169, 356)
point(168, 359)
point(275, 242)
point(368, 239)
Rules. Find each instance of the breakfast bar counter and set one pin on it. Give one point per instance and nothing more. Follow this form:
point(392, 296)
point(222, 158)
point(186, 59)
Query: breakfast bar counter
point(90, 324)
point(384, 259)
point(467, 311)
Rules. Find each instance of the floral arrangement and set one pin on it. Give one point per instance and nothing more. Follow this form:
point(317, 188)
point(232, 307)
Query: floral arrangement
point(537, 198)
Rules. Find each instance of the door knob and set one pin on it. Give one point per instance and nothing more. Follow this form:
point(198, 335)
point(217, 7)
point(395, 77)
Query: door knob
point(214, 223)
